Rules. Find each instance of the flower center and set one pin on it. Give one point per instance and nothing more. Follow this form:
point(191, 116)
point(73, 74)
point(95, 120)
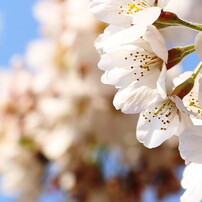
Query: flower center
point(134, 7)
point(194, 106)
point(162, 114)
point(143, 62)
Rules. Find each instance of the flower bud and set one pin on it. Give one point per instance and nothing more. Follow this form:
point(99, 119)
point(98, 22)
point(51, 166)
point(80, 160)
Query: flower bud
point(184, 88)
point(175, 55)
point(168, 18)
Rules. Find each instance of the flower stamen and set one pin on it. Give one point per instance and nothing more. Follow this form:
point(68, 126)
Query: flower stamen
point(164, 113)
point(142, 62)
point(134, 7)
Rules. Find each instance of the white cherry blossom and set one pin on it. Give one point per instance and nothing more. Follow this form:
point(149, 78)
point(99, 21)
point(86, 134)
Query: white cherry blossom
point(191, 138)
point(135, 70)
point(161, 121)
point(192, 99)
point(192, 182)
point(168, 117)
point(127, 12)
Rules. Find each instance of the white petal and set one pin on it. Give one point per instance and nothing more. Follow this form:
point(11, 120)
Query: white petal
point(102, 38)
point(192, 181)
point(153, 130)
point(133, 100)
point(198, 44)
point(107, 11)
point(171, 74)
point(195, 121)
point(125, 36)
point(119, 77)
point(161, 83)
point(162, 3)
point(181, 78)
point(180, 105)
point(157, 42)
point(116, 59)
point(191, 174)
point(200, 92)
point(190, 145)
point(147, 16)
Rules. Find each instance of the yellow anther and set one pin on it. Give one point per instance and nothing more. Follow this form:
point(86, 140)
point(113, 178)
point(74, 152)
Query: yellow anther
point(134, 7)
point(192, 104)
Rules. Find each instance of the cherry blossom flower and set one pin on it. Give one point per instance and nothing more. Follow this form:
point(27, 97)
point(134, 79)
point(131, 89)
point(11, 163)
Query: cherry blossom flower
point(127, 12)
point(192, 100)
point(160, 121)
point(135, 69)
point(192, 182)
point(190, 137)
point(167, 117)
point(190, 133)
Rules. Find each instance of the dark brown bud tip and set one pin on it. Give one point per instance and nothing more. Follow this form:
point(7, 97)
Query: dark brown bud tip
point(168, 18)
point(184, 88)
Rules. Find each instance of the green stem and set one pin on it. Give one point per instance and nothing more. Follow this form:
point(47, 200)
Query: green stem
point(189, 48)
point(189, 25)
point(197, 70)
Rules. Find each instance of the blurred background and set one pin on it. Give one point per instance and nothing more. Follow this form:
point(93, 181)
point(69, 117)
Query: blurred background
point(61, 140)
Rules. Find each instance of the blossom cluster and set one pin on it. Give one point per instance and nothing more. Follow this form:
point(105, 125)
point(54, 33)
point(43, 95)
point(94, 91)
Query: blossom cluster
point(59, 133)
point(136, 60)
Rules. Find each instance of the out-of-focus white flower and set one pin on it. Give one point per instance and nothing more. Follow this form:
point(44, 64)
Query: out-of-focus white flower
point(192, 182)
point(56, 142)
point(17, 166)
point(41, 54)
point(50, 14)
point(47, 106)
point(74, 21)
point(67, 181)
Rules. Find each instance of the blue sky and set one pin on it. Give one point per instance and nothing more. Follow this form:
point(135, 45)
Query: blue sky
point(191, 62)
point(17, 27)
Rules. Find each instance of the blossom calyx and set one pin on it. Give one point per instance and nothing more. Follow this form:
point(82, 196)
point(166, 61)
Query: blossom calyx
point(168, 18)
point(184, 88)
point(175, 55)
